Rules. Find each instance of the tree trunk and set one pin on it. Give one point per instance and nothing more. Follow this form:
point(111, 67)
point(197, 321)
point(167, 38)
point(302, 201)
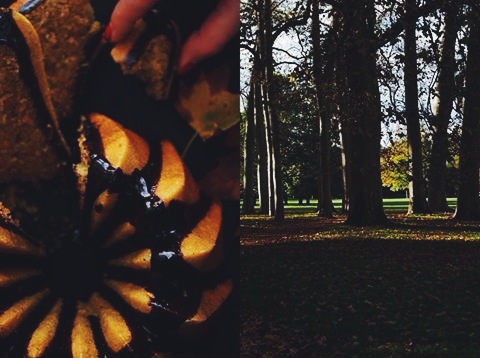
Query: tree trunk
point(366, 206)
point(345, 153)
point(271, 120)
point(268, 139)
point(279, 204)
point(443, 105)
point(262, 152)
point(468, 206)
point(417, 199)
point(324, 206)
point(261, 117)
point(274, 120)
point(249, 154)
point(341, 99)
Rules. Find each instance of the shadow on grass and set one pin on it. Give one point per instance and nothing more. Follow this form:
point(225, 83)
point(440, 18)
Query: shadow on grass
point(261, 230)
point(449, 227)
point(365, 297)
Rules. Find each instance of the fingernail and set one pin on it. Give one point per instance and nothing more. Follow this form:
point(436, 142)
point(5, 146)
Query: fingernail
point(107, 34)
point(186, 68)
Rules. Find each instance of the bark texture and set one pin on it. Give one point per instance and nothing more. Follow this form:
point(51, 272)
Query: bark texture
point(468, 204)
point(322, 73)
point(365, 199)
point(443, 105)
point(249, 155)
point(416, 189)
point(343, 109)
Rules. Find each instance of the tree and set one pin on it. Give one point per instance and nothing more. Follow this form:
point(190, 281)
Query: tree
point(261, 140)
point(416, 188)
point(468, 205)
point(345, 75)
point(249, 154)
point(265, 22)
point(361, 131)
point(268, 169)
point(443, 105)
point(365, 199)
point(341, 98)
point(297, 110)
point(394, 162)
point(322, 79)
point(271, 116)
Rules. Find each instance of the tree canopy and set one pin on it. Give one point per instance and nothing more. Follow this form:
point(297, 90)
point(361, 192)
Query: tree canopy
point(384, 84)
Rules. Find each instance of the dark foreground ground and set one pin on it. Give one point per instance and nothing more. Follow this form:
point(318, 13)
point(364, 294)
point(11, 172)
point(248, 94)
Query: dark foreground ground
point(314, 288)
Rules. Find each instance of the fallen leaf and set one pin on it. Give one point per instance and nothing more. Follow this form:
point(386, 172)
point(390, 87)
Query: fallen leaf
point(207, 105)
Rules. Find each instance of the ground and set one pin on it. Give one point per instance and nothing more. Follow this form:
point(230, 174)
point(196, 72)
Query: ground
point(313, 287)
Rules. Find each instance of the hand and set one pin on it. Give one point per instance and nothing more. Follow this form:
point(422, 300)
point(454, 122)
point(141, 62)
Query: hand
point(220, 26)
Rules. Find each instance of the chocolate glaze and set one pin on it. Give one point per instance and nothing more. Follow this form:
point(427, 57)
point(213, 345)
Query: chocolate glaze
point(76, 265)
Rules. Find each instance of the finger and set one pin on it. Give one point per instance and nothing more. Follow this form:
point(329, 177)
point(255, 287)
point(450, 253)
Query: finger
point(124, 16)
point(221, 25)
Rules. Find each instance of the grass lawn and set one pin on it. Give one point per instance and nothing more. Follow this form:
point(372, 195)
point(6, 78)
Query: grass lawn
point(313, 287)
point(389, 204)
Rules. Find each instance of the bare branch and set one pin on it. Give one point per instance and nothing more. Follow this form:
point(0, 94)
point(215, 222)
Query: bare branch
point(248, 45)
point(297, 21)
point(286, 63)
point(287, 53)
point(396, 29)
